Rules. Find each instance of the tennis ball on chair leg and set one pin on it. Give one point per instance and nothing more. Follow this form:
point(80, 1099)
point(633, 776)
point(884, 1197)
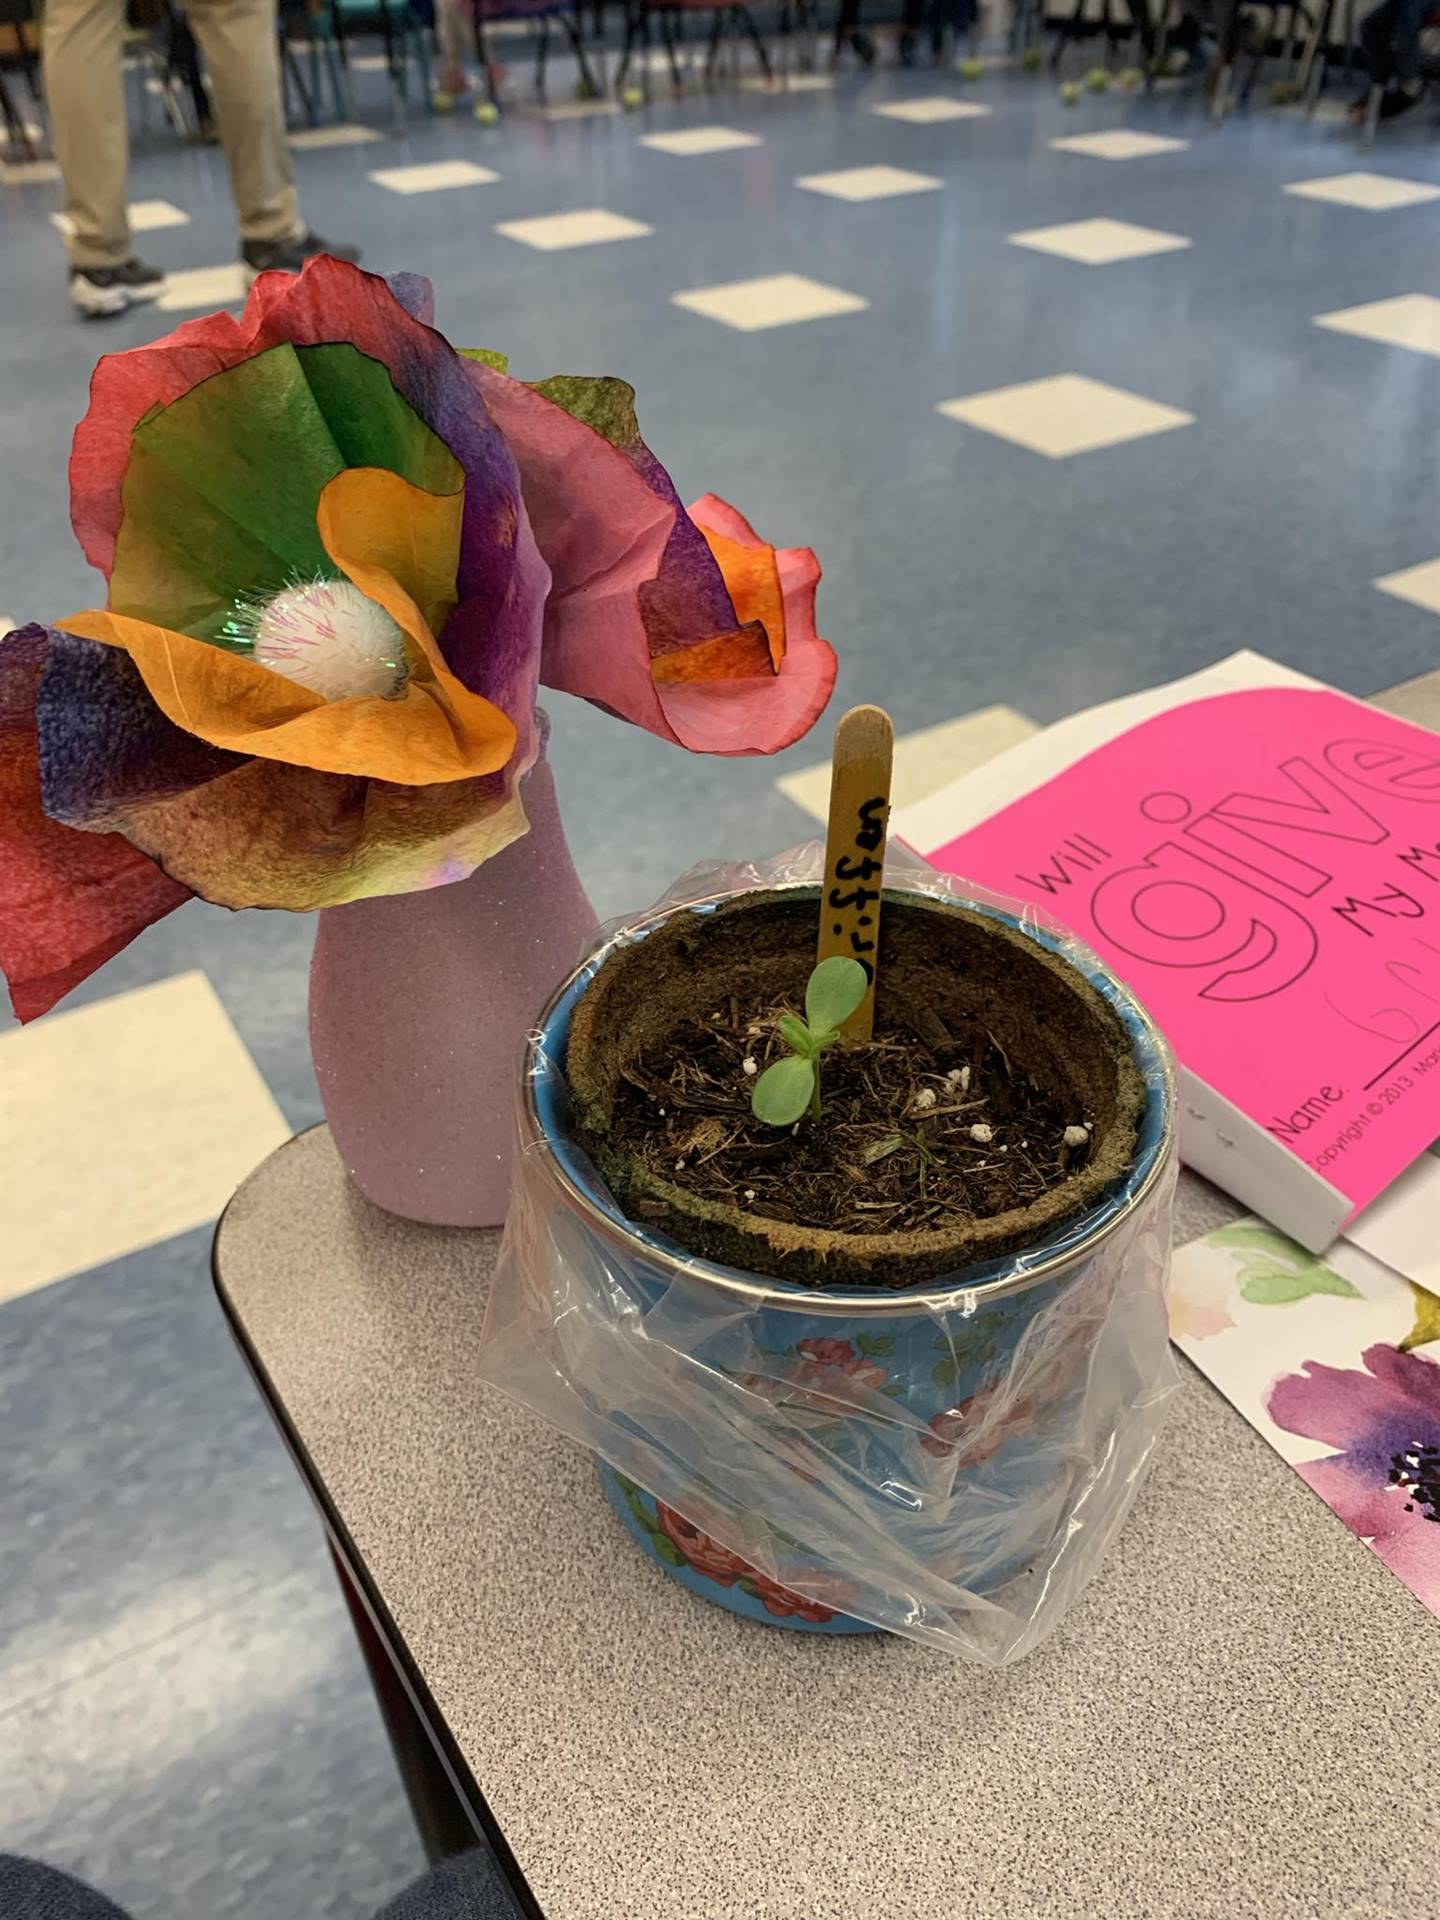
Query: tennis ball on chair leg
point(1129, 79)
point(632, 98)
point(1097, 80)
point(486, 112)
point(1070, 91)
point(1032, 59)
point(971, 69)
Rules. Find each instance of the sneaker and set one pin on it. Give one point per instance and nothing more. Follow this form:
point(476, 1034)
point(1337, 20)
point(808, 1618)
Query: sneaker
point(289, 256)
point(99, 291)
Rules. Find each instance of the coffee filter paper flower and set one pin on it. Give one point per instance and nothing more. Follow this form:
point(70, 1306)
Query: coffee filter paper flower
point(340, 557)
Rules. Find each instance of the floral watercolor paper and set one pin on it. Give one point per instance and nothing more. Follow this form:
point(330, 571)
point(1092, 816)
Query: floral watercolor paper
point(1336, 1361)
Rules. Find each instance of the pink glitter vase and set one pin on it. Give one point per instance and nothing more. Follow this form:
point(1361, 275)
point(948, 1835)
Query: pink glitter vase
point(419, 1006)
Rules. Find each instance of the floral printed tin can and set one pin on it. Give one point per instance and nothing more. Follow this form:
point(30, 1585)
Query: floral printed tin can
point(953, 1404)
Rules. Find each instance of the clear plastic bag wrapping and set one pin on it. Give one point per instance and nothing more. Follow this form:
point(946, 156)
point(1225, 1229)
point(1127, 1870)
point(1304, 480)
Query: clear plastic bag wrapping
point(948, 1462)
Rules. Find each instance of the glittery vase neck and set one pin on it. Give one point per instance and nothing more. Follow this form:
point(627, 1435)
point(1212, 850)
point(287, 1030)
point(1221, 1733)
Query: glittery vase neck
point(419, 1006)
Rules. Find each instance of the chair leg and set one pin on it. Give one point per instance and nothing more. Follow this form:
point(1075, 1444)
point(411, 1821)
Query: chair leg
point(422, 54)
point(489, 77)
point(1372, 114)
point(588, 88)
point(672, 52)
point(1312, 58)
point(338, 61)
point(762, 52)
point(19, 133)
point(290, 67)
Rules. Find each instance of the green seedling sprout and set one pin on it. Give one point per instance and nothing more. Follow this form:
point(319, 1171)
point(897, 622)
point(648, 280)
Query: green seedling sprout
point(786, 1088)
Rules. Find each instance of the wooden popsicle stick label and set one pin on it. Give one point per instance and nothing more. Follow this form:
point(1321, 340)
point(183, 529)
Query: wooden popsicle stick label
point(855, 849)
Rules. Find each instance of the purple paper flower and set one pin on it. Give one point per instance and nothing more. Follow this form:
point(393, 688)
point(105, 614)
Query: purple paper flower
point(1384, 1483)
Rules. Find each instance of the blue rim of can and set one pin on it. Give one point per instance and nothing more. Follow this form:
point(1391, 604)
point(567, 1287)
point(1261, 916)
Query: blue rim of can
point(546, 1104)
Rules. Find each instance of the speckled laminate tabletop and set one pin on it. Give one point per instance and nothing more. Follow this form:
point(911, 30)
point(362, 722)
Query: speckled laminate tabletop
point(1234, 1720)
point(1240, 1717)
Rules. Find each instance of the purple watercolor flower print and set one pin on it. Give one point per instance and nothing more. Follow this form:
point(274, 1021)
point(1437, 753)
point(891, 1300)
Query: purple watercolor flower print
point(1384, 1482)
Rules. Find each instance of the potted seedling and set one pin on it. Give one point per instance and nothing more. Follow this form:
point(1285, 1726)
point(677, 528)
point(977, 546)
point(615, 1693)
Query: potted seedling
point(831, 1253)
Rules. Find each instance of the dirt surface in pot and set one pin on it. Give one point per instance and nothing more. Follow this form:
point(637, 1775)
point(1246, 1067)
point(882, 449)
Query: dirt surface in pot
point(917, 1130)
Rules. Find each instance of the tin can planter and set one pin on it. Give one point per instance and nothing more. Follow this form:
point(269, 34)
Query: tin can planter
point(906, 1444)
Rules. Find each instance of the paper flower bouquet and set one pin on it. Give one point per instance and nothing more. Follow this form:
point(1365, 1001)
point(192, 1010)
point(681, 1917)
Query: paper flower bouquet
point(341, 557)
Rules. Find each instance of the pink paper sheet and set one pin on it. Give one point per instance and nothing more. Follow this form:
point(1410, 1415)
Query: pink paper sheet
point(1263, 868)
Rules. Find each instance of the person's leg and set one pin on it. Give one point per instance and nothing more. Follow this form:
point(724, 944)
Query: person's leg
point(85, 89)
point(32, 1891)
point(468, 1886)
point(455, 31)
point(242, 59)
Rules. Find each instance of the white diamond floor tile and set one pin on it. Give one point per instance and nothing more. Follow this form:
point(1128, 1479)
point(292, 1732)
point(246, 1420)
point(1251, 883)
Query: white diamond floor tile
point(689, 141)
point(435, 177)
point(775, 300)
point(1121, 143)
point(203, 287)
point(347, 134)
point(925, 760)
point(1419, 585)
point(1064, 414)
point(868, 183)
point(146, 216)
point(789, 83)
point(27, 173)
point(1099, 243)
point(1372, 192)
point(590, 227)
point(1409, 320)
point(125, 1122)
point(931, 109)
point(577, 109)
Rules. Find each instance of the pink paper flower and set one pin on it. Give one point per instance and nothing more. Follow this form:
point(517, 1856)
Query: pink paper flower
point(1384, 1482)
point(340, 557)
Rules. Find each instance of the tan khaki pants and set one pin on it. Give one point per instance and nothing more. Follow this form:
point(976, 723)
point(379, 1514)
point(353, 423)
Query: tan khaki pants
point(84, 85)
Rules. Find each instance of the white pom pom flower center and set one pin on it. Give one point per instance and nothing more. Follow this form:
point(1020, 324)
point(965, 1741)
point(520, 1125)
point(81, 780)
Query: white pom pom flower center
point(332, 638)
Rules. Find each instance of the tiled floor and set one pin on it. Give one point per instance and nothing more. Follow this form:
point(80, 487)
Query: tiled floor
point(932, 110)
point(1408, 320)
point(1064, 414)
point(1419, 585)
point(146, 216)
point(556, 232)
point(316, 139)
point(193, 289)
point(775, 300)
point(1371, 192)
point(868, 183)
point(1118, 143)
point(1099, 243)
point(434, 176)
point(182, 1714)
point(73, 1087)
point(692, 141)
